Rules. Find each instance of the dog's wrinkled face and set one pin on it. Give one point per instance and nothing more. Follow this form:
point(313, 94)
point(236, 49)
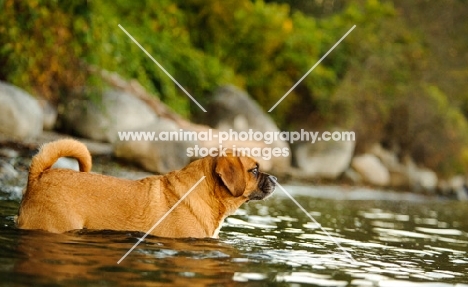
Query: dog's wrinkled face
point(266, 186)
point(242, 177)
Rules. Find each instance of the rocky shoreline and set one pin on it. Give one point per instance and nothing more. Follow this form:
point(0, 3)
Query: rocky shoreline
point(26, 123)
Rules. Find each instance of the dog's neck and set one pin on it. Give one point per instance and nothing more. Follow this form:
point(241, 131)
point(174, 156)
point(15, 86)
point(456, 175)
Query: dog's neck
point(218, 208)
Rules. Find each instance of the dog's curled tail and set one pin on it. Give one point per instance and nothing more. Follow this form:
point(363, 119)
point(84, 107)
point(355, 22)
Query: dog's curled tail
point(50, 152)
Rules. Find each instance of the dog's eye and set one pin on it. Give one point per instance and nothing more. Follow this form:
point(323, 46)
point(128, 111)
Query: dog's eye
point(254, 171)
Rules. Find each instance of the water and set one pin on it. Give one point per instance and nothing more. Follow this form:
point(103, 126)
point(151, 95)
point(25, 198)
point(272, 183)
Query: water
point(395, 239)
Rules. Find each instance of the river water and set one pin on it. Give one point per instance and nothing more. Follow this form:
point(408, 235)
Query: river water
point(386, 239)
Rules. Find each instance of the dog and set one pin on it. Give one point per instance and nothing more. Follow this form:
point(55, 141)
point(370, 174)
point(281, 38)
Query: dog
point(61, 200)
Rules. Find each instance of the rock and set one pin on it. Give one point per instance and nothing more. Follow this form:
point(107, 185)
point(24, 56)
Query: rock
point(13, 192)
point(98, 148)
point(21, 115)
point(67, 163)
point(352, 176)
point(457, 187)
point(94, 147)
point(427, 179)
point(323, 159)
point(406, 174)
point(8, 152)
point(156, 156)
point(371, 169)
point(118, 111)
point(234, 109)
point(443, 188)
point(399, 174)
point(388, 158)
point(399, 178)
point(50, 115)
point(7, 170)
point(462, 193)
point(456, 182)
point(419, 178)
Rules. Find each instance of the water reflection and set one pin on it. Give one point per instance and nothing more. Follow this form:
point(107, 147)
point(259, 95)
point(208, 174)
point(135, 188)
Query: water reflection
point(92, 257)
point(393, 242)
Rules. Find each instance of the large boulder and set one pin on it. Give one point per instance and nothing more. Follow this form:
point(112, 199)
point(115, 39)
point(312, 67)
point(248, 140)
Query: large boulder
point(66, 163)
point(117, 111)
point(406, 174)
point(323, 159)
point(420, 178)
point(400, 175)
point(21, 115)
point(371, 169)
point(234, 109)
point(155, 155)
point(454, 187)
point(50, 114)
point(427, 179)
point(388, 158)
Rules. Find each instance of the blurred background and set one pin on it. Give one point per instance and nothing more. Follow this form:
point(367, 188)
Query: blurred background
point(399, 80)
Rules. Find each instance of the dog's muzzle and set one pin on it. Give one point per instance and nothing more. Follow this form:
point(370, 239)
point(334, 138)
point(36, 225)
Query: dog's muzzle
point(266, 186)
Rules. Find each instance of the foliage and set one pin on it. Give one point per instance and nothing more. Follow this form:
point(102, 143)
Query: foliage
point(424, 121)
point(162, 32)
point(38, 54)
point(375, 82)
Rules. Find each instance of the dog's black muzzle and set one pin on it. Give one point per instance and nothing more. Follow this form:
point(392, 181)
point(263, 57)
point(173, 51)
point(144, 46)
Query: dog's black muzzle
point(266, 186)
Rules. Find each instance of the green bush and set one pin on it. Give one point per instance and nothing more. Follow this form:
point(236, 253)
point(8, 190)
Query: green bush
point(42, 44)
point(159, 26)
point(373, 82)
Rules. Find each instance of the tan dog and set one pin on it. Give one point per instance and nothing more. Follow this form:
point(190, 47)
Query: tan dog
point(59, 200)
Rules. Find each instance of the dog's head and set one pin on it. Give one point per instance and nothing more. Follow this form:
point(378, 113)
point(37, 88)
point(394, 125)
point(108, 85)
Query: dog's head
point(242, 177)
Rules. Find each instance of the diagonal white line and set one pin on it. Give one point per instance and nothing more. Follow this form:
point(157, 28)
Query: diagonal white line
point(311, 69)
point(162, 68)
point(315, 221)
point(162, 218)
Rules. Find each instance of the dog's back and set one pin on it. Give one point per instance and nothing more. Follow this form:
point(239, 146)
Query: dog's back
point(59, 200)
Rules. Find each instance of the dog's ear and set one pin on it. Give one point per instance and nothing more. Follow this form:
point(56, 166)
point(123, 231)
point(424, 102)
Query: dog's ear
point(231, 172)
